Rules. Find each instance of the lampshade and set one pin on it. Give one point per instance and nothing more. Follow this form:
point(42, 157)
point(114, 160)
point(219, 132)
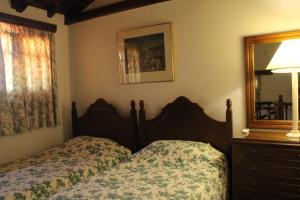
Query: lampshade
point(287, 57)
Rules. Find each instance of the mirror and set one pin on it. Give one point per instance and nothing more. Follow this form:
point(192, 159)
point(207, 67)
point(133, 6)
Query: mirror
point(268, 95)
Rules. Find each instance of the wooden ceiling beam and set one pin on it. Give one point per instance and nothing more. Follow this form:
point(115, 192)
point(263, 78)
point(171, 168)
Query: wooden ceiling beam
point(18, 5)
point(109, 9)
point(80, 6)
point(51, 11)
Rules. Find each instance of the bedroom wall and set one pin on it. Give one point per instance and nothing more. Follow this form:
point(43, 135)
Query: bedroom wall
point(23, 145)
point(208, 38)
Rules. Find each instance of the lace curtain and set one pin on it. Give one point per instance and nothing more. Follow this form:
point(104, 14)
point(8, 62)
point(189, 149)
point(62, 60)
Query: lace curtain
point(28, 83)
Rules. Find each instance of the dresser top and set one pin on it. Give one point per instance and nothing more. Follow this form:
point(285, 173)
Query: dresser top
point(268, 136)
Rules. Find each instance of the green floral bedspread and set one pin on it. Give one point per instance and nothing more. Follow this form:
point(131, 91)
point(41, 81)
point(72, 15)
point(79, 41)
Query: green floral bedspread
point(163, 170)
point(53, 170)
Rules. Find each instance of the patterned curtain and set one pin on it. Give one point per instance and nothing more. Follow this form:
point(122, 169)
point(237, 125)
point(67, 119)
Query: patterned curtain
point(28, 83)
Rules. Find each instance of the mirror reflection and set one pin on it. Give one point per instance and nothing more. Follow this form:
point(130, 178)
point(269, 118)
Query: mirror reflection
point(273, 93)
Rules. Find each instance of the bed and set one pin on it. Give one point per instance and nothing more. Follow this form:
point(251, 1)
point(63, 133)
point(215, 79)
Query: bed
point(184, 155)
point(103, 139)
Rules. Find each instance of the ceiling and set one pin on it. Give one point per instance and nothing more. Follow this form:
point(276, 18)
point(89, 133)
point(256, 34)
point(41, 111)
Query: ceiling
point(101, 3)
point(81, 10)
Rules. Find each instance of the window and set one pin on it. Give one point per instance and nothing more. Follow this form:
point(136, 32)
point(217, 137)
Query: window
point(36, 57)
point(28, 91)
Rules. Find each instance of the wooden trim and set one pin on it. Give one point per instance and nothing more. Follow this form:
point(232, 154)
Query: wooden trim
point(109, 9)
point(271, 137)
point(250, 80)
point(12, 19)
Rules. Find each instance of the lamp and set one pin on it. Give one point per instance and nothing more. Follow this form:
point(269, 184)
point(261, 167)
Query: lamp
point(287, 60)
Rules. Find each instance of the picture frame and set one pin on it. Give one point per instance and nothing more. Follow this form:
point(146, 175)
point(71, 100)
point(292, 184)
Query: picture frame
point(146, 54)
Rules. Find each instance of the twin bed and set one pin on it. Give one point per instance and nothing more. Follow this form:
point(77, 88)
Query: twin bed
point(181, 154)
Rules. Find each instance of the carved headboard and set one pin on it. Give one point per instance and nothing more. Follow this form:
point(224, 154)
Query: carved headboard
point(184, 120)
point(102, 120)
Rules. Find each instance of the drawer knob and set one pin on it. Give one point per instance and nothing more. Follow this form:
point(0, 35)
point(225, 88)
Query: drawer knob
point(253, 168)
point(253, 151)
point(253, 184)
point(298, 155)
point(253, 198)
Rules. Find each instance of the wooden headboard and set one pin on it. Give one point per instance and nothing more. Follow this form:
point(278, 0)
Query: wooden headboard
point(184, 120)
point(103, 120)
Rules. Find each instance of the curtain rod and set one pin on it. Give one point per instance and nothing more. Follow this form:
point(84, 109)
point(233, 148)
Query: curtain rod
point(12, 19)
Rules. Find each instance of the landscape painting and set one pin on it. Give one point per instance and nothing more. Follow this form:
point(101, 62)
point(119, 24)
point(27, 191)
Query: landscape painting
point(146, 54)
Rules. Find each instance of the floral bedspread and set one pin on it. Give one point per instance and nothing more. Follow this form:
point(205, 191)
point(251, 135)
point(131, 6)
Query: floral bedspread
point(163, 170)
point(53, 170)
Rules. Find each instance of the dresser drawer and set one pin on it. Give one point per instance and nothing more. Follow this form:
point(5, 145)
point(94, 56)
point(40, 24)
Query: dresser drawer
point(268, 187)
point(268, 169)
point(268, 152)
point(243, 195)
point(265, 166)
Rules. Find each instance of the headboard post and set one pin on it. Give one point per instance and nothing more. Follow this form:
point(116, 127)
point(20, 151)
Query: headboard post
point(142, 119)
point(133, 117)
point(229, 130)
point(229, 126)
point(229, 115)
point(74, 119)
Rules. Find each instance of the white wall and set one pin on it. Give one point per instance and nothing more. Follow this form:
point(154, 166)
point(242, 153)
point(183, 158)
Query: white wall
point(14, 147)
point(209, 60)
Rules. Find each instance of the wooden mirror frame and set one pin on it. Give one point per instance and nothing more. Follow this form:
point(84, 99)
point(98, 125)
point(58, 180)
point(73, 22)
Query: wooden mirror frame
point(250, 79)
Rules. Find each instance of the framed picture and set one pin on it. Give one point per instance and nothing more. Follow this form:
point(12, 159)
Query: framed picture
point(146, 54)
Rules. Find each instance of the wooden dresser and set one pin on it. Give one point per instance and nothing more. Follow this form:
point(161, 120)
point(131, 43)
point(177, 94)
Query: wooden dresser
point(265, 166)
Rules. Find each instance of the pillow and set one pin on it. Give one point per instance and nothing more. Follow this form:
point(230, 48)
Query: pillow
point(96, 146)
point(174, 153)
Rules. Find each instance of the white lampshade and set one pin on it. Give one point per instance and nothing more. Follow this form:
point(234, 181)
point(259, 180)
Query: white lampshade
point(287, 57)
